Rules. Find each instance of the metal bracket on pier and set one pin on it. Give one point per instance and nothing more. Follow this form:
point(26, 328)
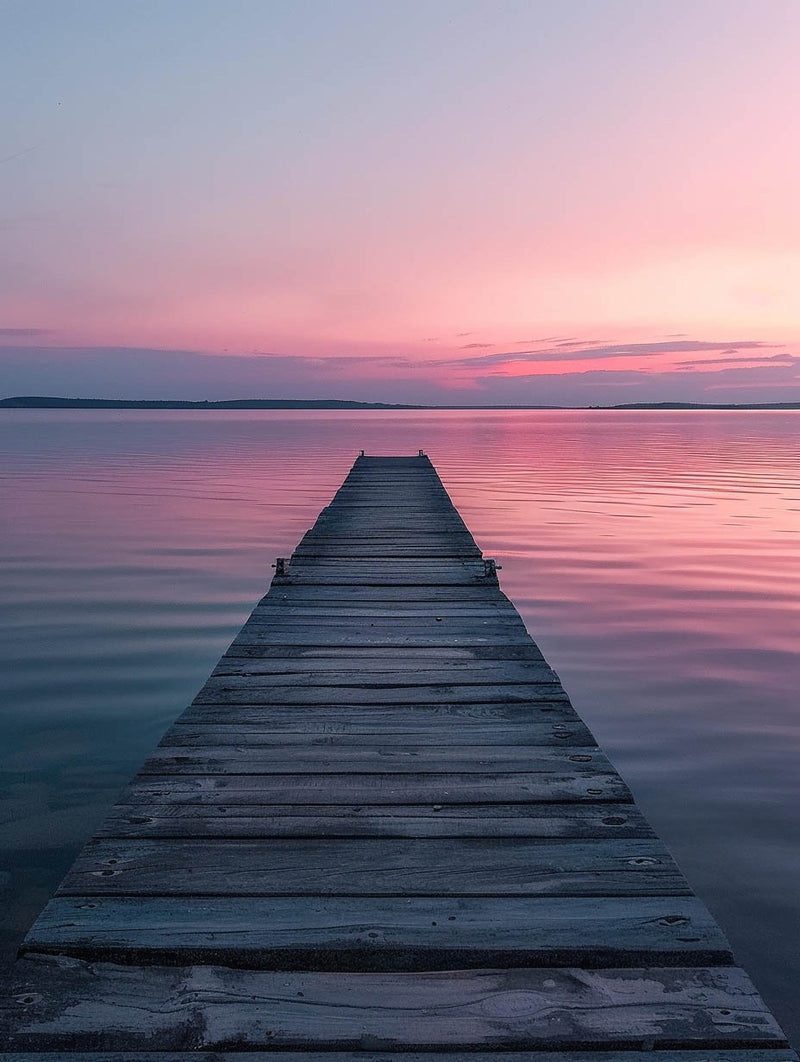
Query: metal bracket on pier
point(491, 567)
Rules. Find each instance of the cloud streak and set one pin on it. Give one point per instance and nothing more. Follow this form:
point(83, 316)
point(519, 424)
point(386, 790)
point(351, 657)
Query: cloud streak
point(585, 352)
point(23, 333)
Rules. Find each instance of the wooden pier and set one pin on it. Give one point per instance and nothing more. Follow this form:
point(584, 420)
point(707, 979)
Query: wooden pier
point(381, 828)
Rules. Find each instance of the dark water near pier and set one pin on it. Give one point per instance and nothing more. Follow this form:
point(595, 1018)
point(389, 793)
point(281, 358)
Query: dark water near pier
point(654, 556)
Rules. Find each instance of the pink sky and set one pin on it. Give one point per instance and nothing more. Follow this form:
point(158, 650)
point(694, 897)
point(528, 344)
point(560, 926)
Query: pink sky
point(410, 190)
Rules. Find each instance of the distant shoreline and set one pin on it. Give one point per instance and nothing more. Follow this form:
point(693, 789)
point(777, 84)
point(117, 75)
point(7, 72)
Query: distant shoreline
point(46, 402)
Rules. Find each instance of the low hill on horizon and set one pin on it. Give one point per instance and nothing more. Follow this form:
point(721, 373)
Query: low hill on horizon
point(49, 402)
point(45, 402)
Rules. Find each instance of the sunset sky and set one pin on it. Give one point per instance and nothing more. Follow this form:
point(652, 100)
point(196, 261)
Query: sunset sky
point(470, 201)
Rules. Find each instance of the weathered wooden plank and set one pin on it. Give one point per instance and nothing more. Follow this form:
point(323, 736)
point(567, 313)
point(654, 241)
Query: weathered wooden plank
point(280, 611)
point(348, 533)
point(420, 542)
point(402, 820)
point(375, 866)
point(408, 613)
point(396, 657)
point(369, 933)
point(334, 719)
point(390, 565)
point(419, 545)
point(349, 576)
point(400, 570)
point(301, 671)
point(380, 531)
point(365, 638)
point(439, 627)
point(418, 560)
point(407, 608)
point(378, 759)
point(438, 623)
point(348, 550)
point(78, 1005)
point(281, 590)
point(382, 526)
point(365, 734)
point(765, 1054)
point(246, 691)
point(370, 528)
point(352, 788)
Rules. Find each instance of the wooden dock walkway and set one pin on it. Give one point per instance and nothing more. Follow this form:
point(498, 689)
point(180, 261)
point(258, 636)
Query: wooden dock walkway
point(380, 828)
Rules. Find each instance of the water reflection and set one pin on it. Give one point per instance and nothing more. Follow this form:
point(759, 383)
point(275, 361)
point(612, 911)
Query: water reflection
point(653, 556)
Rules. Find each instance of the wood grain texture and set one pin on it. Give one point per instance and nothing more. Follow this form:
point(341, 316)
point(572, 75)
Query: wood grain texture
point(351, 735)
point(268, 673)
point(411, 788)
point(465, 658)
point(236, 690)
point(333, 719)
point(362, 637)
point(369, 933)
point(185, 820)
point(65, 1002)
point(375, 866)
point(766, 1054)
point(378, 759)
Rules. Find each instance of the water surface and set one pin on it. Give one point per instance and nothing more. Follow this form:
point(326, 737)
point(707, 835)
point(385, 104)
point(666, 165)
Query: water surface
point(654, 557)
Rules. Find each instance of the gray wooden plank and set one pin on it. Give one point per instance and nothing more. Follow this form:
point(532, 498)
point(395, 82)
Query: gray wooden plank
point(504, 622)
point(381, 530)
point(375, 867)
point(514, 633)
point(383, 525)
point(765, 1054)
point(77, 1005)
point(351, 788)
point(280, 611)
point(471, 608)
point(353, 532)
point(348, 575)
point(362, 553)
point(401, 568)
point(401, 820)
point(347, 549)
point(374, 933)
point(379, 759)
point(390, 565)
point(382, 655)
point(330, 719)
point(364, 527)
point(301, 667)
point(365, 734)
point(301, 670)
point(387, 567)
point(378, 530)
point(365, 638)
point(474, 593)
point(232, 690)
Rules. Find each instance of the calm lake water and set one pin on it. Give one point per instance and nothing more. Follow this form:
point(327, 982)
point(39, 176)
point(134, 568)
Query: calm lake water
point(654, 557)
